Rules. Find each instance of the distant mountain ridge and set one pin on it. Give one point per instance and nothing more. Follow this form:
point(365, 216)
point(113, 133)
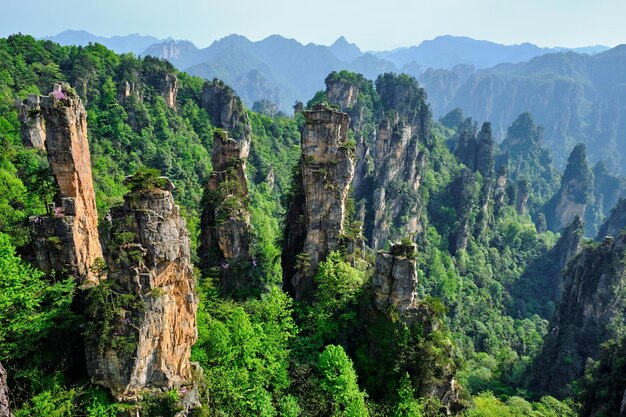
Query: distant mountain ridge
point(577, 98)
point(284, 70)
point(134, 43)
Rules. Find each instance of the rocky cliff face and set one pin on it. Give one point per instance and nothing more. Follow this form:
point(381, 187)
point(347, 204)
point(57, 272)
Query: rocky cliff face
point(327, 170)
point(226, 234)
point(616, 222)
point(5, 410)
point(395, 280)
point(343, 93)
point(591, 307)
point(33, 126)
point(226, 231)
point(465, 194)
point(146, 342)
point(566, 249)
point(394, 285)
point(399, 167)
point(164, 81)
point(68, 240)
point(226, 111)
point(398, 162)
point(575, 194)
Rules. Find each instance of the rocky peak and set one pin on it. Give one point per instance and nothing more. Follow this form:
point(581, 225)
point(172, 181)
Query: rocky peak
point(477, 150)
point(398, 172)
point(567, 247)
point(343, 92)
point(226, 111)
point(591, 309)
point(73, 228)
point(576, 191)
point(327, 168)
point(5, 410)
point(615, 224)
point(147, 343)
point(395, 279)
point(225, 226)
point(32, 122)
point(465, 193)
point(161, 76)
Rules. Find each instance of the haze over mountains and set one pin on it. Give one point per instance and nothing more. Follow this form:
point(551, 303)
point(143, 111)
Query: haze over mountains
point(576, 94)
point(283, 70)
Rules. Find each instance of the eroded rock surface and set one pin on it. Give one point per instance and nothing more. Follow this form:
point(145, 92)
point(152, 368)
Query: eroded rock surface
point(395, 280)
point(327, 167)
point(5, 410)
point(147, 343)
point(592, 307)
point(226, 232)
point(575, 194)
point(68, 239)
point(33, 126)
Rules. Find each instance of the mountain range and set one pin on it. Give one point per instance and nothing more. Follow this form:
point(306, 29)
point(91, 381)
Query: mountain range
point(284, 70)
point(577, 95)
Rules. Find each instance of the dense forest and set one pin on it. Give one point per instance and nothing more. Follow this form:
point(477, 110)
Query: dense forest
point(358, 258)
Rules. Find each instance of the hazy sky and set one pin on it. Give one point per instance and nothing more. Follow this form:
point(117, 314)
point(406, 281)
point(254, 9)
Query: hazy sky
point(372, 24)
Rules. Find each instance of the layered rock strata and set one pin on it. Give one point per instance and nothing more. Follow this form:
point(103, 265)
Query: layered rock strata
point(146, 343)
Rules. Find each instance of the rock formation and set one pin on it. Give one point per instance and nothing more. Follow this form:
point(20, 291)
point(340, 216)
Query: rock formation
point(68, 240)
point(5, 410)
point(591, 307)
point(615, 224)
point(226, 232)
point(395, 279)
point(575, 194)
point(465, 194)
point(161, 76)
point(146, 341)
point(226, 111)
point(226, 235)
point(398, 161)
point(566, 249)
point(327, 167)
point(341, 92)
point(397, 178)
point(33, 126)
point(394, 285)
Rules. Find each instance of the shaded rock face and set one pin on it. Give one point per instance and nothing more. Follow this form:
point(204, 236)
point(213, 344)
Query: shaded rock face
point(73, 229)
point(226, 232)
point(575, 193)
point(5, 410)
point(166, 83)
point(33, 126)
point(225, 227)
point(615, 223)
point(465, 194)
point(226, 111)
point(327, 169)
point(566, 249)
point(397, 177)
point(395, 280)
point(591, 307)
point(149, 263)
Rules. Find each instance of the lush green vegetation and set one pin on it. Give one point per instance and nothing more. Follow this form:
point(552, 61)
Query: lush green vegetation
point(483, 314)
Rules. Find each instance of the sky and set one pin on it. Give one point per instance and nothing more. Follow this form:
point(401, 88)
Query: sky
point(372, 24)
